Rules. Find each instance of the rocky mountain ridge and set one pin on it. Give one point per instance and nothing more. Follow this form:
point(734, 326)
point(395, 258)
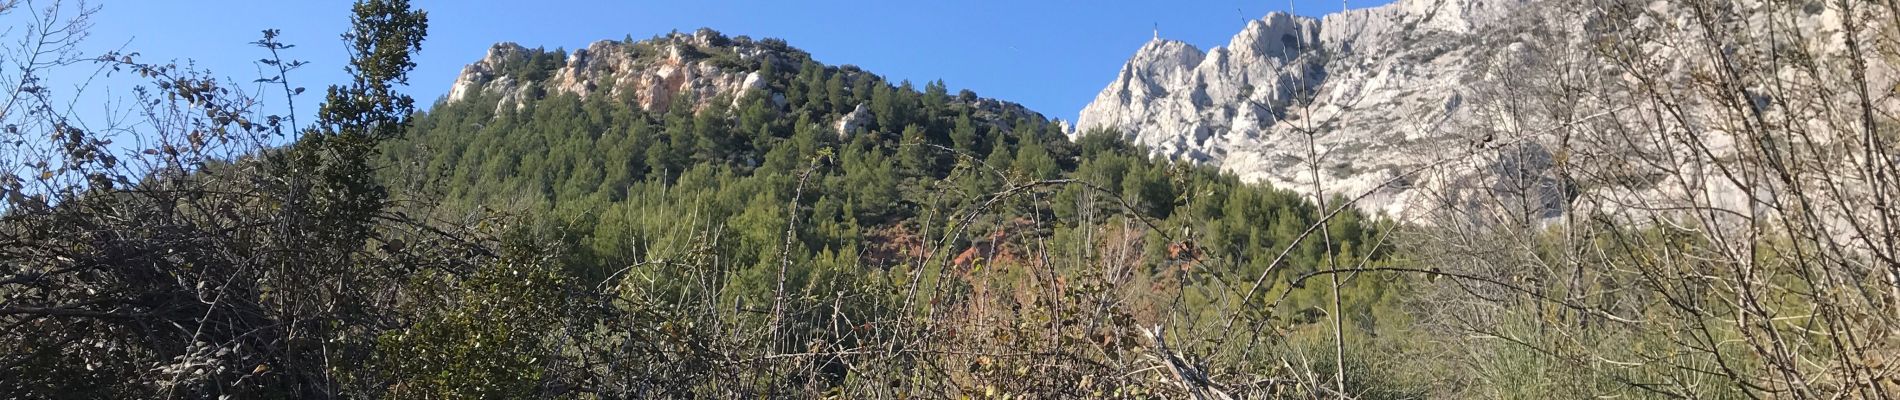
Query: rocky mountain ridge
point(1369, 84)
point(1422, 106)
point(650, 73)
point(660, 72)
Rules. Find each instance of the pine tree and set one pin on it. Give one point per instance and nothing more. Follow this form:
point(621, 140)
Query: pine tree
point(915, 153)
point(839, 98)
point(936, 97)
point(965, 135)
point(1034, 160)
point(716, 142)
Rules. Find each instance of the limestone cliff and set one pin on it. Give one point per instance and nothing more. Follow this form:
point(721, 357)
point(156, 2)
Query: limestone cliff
point(1426, 105)
point(702, 65)
point(1374, 86)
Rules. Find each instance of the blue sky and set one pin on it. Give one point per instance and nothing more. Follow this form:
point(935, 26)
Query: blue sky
point(1053, 56)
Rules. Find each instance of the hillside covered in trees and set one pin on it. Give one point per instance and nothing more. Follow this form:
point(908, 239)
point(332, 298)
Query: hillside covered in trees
point(824, 231)
point(967, 213)
point(710, 216)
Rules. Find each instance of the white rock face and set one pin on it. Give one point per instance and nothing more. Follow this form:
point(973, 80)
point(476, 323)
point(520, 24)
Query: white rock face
point(614, 68)
point(854, 120)
point(486, 74)
point(1189, 105)
point(1371, 94)
point(1453, 107)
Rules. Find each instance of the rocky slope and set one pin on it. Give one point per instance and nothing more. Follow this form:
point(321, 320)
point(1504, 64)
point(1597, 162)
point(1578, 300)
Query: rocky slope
point(654, 74)
point(651, 73)
point(1374, 86)
point(1435, 105)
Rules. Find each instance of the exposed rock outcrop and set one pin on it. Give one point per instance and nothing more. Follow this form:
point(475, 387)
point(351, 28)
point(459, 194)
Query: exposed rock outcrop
point(651, 73)
point(1466, 107)
point(661, 72)
point(854, 120)
point(1189, 105)
point(1379, 92)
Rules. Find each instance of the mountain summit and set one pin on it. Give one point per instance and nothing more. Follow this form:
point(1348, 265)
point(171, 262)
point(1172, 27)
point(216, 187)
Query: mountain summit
point(651, 73)
point(693, 69)
point(1421, 106)
point(1371, 85)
